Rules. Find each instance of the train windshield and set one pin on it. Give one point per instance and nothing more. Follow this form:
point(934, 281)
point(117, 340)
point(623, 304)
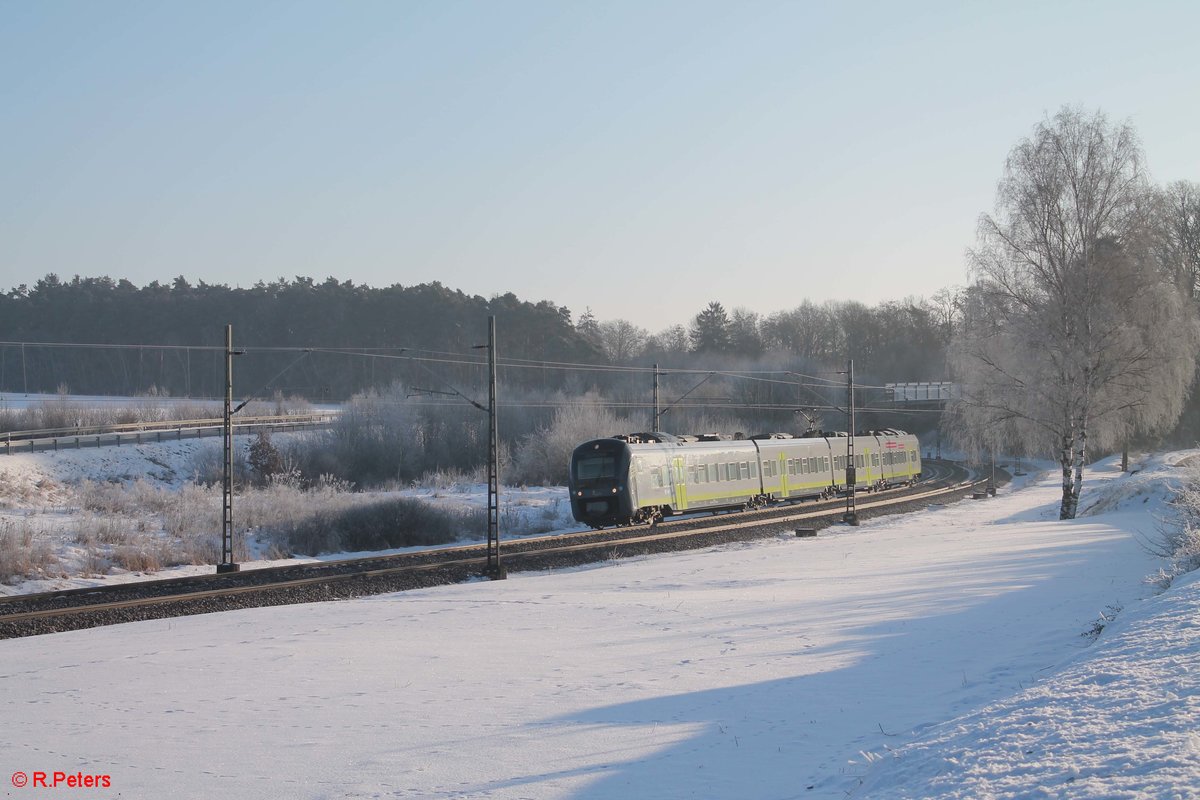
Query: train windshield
point(596, 466)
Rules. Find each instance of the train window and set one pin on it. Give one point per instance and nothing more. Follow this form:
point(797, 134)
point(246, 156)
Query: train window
point(656, 479)
point(692, 473)
point(874, 459)
point(596, 466)
point(824, 463)
point(753, 469)
point(791, 466)
point(858, 460)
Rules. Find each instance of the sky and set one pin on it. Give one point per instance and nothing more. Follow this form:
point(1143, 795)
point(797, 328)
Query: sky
point(636, 158)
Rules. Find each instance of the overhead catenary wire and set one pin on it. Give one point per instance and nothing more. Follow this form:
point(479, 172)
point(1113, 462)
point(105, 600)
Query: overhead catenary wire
point(633, 404)
point(420, 356)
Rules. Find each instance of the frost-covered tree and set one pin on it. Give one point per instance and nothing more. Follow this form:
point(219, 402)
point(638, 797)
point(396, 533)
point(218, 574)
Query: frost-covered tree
point(1179, 235)
point(1072, 336)
point(710, 332)
point(621, 340)
point(588, 327)
point(670, 341)
point(745, 339)
point(544, 455)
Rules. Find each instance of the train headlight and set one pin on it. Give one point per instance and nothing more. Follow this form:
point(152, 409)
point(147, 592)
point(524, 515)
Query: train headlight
point(614, 490)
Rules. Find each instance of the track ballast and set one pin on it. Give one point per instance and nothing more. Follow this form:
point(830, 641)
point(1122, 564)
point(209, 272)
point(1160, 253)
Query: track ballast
point(49, 612)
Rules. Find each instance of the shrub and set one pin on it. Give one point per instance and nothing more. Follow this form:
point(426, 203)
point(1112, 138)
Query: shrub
point(381, 525)
point(22, 553)
point(207, 464)
point(265, 459)
point(1179, 535)
point(543, 456)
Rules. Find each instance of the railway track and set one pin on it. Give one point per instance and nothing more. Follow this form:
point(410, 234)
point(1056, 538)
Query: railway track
point(48, 612)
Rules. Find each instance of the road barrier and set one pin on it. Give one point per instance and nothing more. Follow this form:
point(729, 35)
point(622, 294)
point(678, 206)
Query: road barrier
point(75, 438)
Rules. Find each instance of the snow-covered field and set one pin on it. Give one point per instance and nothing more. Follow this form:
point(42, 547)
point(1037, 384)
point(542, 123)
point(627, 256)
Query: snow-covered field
point(939, 654)
point(39, 493)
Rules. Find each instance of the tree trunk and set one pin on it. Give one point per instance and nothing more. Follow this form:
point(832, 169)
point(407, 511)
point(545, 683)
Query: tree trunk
point(1080, 458)
point(1066, 460)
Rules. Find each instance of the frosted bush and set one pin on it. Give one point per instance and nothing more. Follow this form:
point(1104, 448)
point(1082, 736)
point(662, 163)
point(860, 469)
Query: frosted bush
point(1179, 535)
point(23, 553)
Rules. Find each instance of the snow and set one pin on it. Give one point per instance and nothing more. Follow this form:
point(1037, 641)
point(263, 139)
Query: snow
point(938, 654)
point(37, 491)
point(1119, 721)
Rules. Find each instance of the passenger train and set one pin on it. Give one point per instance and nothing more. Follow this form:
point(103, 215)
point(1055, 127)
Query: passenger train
point(640, 478)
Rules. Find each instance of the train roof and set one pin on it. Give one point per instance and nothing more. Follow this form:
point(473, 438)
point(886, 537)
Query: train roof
point(659, 437)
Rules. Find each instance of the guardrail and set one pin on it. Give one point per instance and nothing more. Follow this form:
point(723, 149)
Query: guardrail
point(137, 432)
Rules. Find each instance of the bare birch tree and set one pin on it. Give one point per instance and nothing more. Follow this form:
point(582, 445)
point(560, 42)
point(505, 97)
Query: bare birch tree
point(1179, 235)
point(1074, 337)
point(621, 340)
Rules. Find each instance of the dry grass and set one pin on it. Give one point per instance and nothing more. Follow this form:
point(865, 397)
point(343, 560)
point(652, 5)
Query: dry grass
point(24, 553)
point(141, 527)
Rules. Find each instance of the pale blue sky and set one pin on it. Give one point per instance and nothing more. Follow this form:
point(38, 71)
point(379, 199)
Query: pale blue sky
point(639, 158)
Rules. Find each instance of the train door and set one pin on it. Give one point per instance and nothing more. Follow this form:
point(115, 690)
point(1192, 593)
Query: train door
point(679, 483)
point(637, 474)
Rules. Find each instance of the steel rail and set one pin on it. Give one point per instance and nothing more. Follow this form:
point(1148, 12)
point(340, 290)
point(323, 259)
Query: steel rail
point(456, 564)
point(711, 521)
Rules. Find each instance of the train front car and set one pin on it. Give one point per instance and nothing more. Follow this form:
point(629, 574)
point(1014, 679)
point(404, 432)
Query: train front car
point(599, 483)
